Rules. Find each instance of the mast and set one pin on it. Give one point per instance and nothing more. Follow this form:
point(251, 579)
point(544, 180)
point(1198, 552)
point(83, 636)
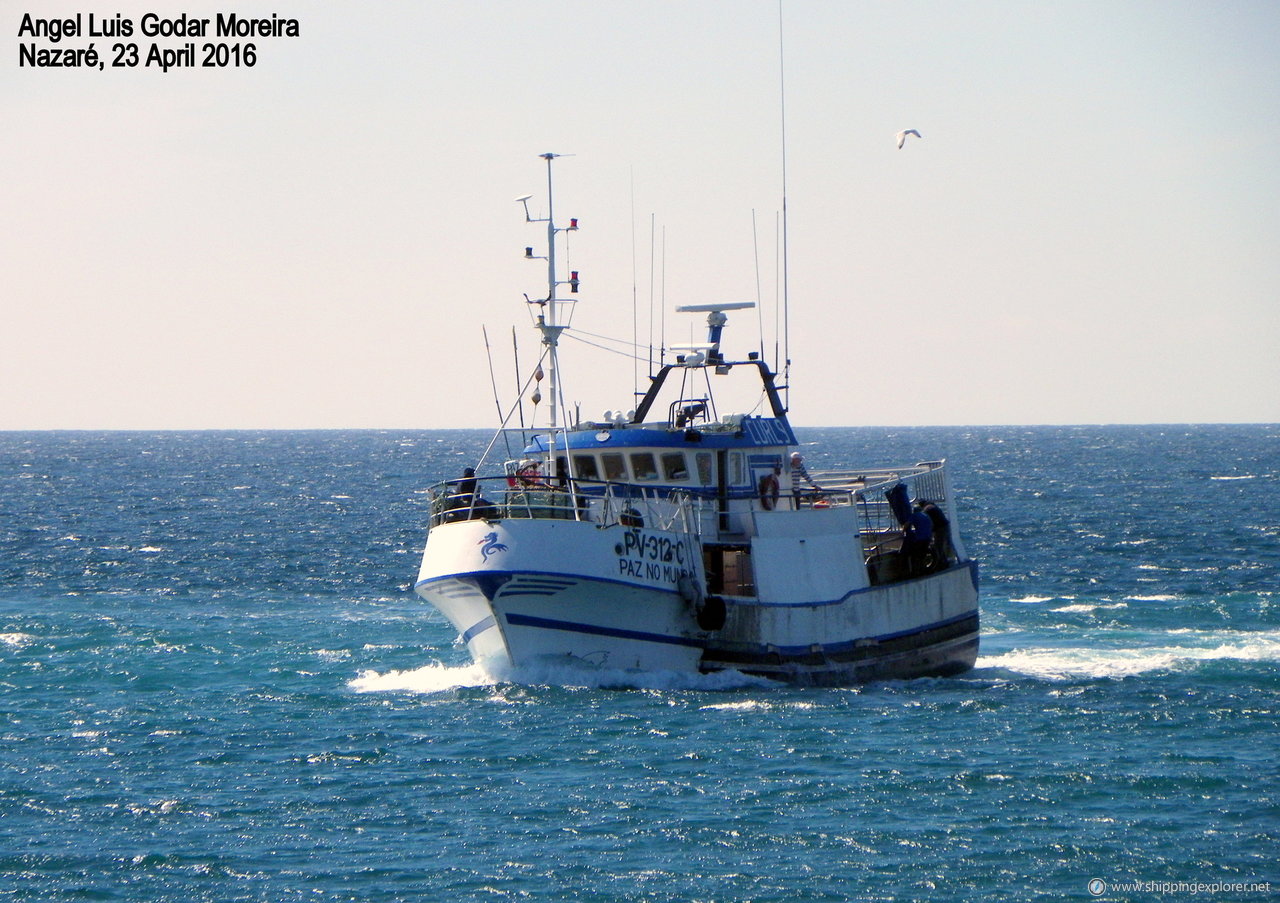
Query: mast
point(547, 324)
point(548, 320)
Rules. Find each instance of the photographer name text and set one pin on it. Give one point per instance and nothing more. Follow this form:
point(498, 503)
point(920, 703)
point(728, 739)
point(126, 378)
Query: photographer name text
point(152, 42)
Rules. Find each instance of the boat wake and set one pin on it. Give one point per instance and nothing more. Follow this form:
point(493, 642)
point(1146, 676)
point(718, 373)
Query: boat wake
point(433, 678)
point(1192, 649)
point(440, 678)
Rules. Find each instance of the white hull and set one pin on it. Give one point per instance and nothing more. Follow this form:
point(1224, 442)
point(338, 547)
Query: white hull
point(516, 608)
point(927, 626)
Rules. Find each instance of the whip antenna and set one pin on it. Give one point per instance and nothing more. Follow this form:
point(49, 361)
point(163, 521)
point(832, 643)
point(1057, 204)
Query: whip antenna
point(635, 310)
point(515, 353)
point(786, 298)
point(493, 380)
point(652, 288)
point(755, 245)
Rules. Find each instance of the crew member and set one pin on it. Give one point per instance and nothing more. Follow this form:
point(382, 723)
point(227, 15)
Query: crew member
point(771, 488)
point(943, 550)
point(799, 475)
point(917, 537)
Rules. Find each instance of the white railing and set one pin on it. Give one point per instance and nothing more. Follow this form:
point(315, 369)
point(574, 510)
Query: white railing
point(601, 503)
point(608, 504)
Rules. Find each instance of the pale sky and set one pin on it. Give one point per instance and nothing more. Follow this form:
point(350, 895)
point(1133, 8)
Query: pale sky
point(1087, 232)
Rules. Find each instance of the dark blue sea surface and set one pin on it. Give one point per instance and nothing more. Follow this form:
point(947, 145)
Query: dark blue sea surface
point(218, 686)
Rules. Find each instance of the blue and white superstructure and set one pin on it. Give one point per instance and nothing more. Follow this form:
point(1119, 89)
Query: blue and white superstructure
point(671, 539)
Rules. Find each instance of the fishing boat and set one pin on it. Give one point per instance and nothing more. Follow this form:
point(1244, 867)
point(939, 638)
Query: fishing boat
point(684, 536)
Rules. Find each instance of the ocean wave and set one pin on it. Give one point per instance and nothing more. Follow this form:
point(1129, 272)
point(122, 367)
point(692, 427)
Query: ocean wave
point(1074, 663)
point(433, 678)
point(1086, 607)
point(441, 678)
point(757, 705)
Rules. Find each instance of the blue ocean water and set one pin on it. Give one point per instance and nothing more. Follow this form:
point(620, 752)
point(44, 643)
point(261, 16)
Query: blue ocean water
point(218, 686)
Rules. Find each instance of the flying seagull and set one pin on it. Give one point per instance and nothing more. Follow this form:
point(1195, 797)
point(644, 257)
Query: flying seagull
point(902, 136)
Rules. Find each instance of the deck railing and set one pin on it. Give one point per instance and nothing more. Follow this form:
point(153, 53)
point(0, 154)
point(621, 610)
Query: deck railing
point(878, 526)
point(602, 503)
point(679, 510)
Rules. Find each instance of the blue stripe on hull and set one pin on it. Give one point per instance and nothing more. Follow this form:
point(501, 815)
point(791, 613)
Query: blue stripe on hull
point(516, 619)
point(848, 645)
point(759, 651)
point(941, 649)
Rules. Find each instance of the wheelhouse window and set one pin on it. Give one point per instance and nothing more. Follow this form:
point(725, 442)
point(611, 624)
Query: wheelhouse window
point(644, 467)
point(585, 467)
point(705, 475)
point(615, 468)
point(674, 467)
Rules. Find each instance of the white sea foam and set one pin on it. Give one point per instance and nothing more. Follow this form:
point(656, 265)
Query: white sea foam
point(16, 640)
point(743, 705)
point(1075, 663)
point(658, 680)
point(439, 678)
point(1243, 476)
point(758, 705)
point(160, 807)
point(433, 678)
point(1033, 600)
point(1086, 607)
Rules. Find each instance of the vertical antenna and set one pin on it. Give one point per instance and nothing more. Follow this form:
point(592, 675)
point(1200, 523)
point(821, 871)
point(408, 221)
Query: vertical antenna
point(492, 378)
point(662, 353)
point(652, 289)
point(515, 352)
point(635, 314)
point(551, 237)
point(786, 298)
point(777, 288)
point(755, 245)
